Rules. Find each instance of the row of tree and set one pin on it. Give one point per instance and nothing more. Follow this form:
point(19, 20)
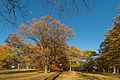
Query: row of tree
point(109, 59)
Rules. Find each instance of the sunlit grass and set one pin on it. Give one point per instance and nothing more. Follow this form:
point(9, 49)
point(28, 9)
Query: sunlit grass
point(28, 75)
point(66, 75)
point(86, 76)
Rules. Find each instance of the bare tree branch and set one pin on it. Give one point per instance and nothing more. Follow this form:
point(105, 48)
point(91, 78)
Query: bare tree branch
point(12, 9)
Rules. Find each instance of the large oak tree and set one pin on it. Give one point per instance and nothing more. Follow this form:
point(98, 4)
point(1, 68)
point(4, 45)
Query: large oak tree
point(50, 36)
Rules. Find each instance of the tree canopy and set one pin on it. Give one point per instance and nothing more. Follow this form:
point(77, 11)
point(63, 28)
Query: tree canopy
point(110, 46)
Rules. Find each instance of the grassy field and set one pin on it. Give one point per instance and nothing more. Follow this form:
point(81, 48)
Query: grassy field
point(25, 75)
point(36, 75)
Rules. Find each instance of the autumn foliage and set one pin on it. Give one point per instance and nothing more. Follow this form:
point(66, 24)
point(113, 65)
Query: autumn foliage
point(42, 42)
point(42, 45)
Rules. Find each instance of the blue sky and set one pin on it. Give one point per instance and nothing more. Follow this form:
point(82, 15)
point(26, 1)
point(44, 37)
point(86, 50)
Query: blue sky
point(89, 27)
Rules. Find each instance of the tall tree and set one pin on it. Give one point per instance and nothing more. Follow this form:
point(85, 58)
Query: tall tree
point(74, 55)
point(17, 46)
point(88, 62)
point(110, 46)
point(49, 35)
point(6, 56)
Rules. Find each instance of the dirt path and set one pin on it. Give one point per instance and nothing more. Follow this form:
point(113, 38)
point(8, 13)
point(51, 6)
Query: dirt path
point(68, 76)
point(72, 75)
